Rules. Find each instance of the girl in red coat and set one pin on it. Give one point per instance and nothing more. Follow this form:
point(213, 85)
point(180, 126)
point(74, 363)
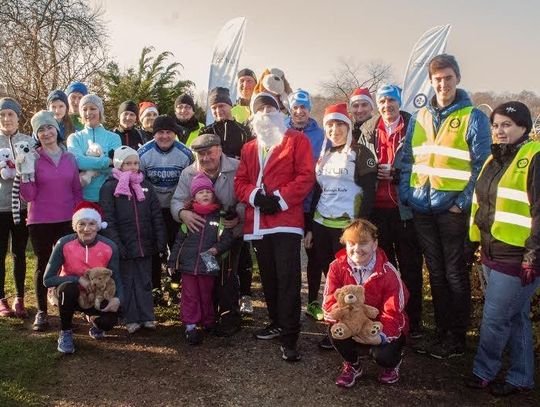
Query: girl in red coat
point(362, 262)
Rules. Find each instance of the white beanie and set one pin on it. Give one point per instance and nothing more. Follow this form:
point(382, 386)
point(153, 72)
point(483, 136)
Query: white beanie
point(121, 153)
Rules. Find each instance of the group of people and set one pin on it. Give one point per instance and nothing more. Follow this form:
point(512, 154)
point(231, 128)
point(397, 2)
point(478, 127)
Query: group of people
point(370, 196)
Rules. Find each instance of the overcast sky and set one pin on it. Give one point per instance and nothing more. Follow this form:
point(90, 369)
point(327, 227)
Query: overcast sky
point(496, 42)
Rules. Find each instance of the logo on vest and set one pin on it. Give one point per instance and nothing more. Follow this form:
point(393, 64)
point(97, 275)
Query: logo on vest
point(371, 163)
point(333, 171)
point(420, 100)
point(523, 163)
point(455, 123)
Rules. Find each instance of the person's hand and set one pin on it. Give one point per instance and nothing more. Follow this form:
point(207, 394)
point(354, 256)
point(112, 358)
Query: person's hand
point(308, 240)
point(455, 209)
point(192, 220)
point(112, 306)
point(212, 251)
point(528, 274)
point(229, 224)
point(85, 283)
point(268, 204)
point(384, 171)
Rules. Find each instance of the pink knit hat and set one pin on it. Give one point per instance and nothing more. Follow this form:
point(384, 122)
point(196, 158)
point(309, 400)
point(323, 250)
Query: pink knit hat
point(200, 182)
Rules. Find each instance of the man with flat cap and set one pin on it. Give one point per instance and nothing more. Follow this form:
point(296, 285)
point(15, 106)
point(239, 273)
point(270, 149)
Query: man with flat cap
point(211, 160)
point(184, 110)
point(232, 134)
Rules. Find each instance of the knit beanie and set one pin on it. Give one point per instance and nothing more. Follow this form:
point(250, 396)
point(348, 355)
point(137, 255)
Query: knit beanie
point(200, 182)
point(147, 107)
point(219, 95)
point(77, 87)
point(246, 72)
point(128, 106)
point(12, 104)
point(95, 100)
point(362, 94)
point(390, 91)
point(518, 112)
point(185, 99)
point(88, 210)
point(57, 95)
point(261, 99)
point(165, 122)
point(42, 118)
point(121, 153)
point(300, 97)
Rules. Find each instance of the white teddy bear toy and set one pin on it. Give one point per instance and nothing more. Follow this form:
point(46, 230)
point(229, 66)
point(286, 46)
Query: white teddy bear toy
point(7, 164)
point(94, 150)
point(25, 160)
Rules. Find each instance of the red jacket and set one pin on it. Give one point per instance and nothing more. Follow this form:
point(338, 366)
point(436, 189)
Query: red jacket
point(287, 172)
point(384, 290)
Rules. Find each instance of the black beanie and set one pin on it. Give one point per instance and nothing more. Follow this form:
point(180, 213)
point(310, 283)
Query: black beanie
point(518, 112)
point(128, 106)
point(246, 72)
point(165, 122)
point(262, 99)
point(184, 99)
point(219, 95)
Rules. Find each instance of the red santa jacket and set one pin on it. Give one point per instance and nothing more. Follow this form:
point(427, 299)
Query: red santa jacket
point(285, 171)
point(384, 290)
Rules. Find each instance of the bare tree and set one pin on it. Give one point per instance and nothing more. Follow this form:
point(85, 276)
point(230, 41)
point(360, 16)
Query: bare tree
point(350, 75)
point(45, 44)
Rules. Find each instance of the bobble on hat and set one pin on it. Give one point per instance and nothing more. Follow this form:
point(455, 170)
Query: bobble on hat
point(362, 94)
point(88, 210)
point(200, 182)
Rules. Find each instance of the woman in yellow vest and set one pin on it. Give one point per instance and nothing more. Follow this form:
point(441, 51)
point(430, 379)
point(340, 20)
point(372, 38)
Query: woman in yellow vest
point(505, 218)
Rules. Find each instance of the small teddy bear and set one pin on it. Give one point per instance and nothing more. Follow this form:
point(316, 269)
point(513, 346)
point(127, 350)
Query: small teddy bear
point(353, 316)
point(102, 289)
point(25, 160)
point(94, 150)
point(7, 164)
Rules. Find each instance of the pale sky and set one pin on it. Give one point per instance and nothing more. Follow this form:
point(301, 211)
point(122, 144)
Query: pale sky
point(495, 42)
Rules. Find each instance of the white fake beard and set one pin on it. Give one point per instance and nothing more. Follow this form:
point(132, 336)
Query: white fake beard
point(269, 128)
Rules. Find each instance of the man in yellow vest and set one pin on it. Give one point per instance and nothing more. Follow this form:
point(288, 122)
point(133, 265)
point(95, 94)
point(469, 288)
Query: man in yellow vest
point(446, 145)
point(246, 81)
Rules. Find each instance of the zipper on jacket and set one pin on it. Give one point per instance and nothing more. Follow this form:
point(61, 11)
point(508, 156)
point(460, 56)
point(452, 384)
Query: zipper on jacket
point(137, 221)
point(199, 248)
point(488, 248)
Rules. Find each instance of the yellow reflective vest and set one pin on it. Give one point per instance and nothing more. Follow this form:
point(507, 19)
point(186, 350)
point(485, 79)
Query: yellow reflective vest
point(442, 158)
point(512, 222)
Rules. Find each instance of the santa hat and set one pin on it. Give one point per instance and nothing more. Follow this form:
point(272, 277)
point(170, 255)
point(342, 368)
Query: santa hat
point(362, 94)
point(336, 112)
point(88, 210)
point(145, 108)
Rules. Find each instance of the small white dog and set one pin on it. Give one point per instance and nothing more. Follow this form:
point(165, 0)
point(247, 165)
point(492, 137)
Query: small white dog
point(25, 160)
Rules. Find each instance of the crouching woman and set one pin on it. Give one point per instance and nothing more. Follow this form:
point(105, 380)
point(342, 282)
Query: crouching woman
point(72, 256)
point(363, 263)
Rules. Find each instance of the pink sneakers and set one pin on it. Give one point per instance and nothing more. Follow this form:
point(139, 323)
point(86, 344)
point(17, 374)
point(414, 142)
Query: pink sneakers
point(5, 310)
point(348, 375)
point(18, 307)
point(391, 375)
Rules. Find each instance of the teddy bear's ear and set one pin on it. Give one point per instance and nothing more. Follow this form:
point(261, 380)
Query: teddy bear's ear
point(107, 272)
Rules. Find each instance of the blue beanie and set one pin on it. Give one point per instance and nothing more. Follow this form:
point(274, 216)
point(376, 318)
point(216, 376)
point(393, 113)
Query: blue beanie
point(390, 91)
point(300, 97)
point(10, 103)
point(57, 95)
point(77, 87)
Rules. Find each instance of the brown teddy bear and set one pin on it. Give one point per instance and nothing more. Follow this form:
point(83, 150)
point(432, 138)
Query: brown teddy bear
point(353, 316)
point(102, 289)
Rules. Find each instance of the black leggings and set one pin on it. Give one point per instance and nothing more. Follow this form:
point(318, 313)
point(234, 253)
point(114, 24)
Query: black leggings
point(19, 238)
point(245, 269)
point(387, 355)
point(158, 263)
point(68, 295)
point(43, 236)
point(325, 246)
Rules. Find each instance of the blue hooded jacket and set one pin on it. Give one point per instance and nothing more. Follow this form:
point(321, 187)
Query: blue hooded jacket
point(427, 200)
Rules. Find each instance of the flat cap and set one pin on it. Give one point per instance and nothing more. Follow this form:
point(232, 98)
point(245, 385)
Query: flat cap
point(204, 141)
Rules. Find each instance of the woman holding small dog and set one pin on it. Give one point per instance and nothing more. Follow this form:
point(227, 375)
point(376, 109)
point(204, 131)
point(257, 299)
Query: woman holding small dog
point(51, 199)
point(363, 263)
point(72, 256)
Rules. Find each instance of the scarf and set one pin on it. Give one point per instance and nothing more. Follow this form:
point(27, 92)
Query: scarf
point(127, 179)
point(205, 209)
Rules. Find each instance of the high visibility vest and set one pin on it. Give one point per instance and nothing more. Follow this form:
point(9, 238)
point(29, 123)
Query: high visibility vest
point(442, 158)
point(512, 222)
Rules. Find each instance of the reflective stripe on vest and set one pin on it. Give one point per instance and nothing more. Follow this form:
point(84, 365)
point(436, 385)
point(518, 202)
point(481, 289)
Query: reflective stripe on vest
point(441, 158)
point(512, 220)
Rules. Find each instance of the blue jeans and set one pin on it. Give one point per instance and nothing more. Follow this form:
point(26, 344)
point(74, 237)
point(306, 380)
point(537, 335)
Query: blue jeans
point(506, 322)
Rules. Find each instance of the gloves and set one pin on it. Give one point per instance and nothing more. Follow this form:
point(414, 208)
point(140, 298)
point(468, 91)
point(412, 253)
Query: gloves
point(268, 204)
point(528, 274)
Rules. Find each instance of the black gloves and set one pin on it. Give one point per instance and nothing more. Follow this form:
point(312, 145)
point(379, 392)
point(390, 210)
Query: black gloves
point(268, 204)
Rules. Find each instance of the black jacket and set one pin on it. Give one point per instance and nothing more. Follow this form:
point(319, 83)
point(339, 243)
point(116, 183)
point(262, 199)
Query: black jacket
point(233, 136)
point(136, 227)
point(486, 194)
point(185, 254)
point(132, 137)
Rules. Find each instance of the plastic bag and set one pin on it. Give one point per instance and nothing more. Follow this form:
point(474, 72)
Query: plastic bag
point(210, 262)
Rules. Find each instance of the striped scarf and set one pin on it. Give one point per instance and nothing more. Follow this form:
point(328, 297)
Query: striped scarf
point(16, 200)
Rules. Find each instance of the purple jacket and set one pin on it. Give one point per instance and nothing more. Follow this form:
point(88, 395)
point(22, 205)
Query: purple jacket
point(56, 190)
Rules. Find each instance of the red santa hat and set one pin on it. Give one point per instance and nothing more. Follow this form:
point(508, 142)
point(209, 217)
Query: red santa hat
point(147, 107)
point(362, 94)
point(337, 112)
point(88, 210)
